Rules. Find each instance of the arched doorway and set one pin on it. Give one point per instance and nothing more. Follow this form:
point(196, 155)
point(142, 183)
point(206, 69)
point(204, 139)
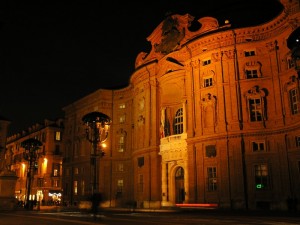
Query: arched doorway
point(179, 185)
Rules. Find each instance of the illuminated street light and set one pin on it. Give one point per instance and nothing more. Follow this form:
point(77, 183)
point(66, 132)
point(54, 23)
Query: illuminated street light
point(97, 128)
point(31, 147)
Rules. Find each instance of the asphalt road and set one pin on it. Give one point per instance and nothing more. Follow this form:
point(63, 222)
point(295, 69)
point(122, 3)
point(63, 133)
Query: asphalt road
point(145, 218)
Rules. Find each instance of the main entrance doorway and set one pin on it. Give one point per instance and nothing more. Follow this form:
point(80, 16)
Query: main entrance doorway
point(179, 186)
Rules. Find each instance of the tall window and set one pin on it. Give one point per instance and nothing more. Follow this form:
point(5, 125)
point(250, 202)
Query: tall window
point(57, 136)
point(141, 183)
point(121, 144)
point(208, 82)
point(75, 186)
point(120, 186)
point(297, 141)
point(212, 178)
point(261, 176)
point(294, 100)
point(178, 125)
point(255, 109)
point(82, 187)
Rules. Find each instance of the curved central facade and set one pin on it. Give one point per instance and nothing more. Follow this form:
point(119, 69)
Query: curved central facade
point(210, 116)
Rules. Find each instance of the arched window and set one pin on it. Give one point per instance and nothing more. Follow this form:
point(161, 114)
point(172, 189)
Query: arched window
point(178, 123)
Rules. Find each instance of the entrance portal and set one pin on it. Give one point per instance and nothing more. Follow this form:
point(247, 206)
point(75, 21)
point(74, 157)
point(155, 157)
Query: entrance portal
point(179, 185)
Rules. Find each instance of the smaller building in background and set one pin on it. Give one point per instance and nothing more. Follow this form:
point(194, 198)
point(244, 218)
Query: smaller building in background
point(47, 175)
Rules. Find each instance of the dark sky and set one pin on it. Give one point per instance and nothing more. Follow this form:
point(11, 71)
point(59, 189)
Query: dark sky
point(53, 53)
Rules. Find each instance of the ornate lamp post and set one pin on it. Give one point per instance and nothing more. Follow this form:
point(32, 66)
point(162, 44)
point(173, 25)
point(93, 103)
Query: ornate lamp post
point(31, 147)
point(97, 127)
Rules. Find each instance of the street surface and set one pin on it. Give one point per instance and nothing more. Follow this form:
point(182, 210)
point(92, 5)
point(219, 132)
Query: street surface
point(146, 218)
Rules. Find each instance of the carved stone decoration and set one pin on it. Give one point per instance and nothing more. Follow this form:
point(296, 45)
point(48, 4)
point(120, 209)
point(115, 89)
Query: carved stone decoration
point(171, 36)
point(209, 112)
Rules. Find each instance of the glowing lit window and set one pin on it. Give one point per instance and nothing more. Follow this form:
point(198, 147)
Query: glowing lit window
point(258, 146)
point(249, 53)
point(178, 125)
point(57, 136)
point(208, 82)
point(255, 109)
point(294, 101)
point(76, 170)
point(251, 74)
point(122, 106)
point(55, 183)
point(261, 176)
point(212, 178)
point(75, 187)
point(121, 144)
point(55, 172)
point(122, 119)
point(206, 62)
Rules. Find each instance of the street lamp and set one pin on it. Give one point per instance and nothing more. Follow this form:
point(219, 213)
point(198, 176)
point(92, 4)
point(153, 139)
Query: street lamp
point(31, 147)
point(97, 127)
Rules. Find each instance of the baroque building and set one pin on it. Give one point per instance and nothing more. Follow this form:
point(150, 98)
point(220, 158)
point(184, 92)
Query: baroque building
point(46, 177)
point(210, 116)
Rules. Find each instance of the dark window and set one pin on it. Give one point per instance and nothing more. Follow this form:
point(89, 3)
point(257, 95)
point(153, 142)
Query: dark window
point(211, 151)
point(140, 161)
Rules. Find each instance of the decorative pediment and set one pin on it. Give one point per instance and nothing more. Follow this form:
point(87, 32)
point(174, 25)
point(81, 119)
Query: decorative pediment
point(171, 34)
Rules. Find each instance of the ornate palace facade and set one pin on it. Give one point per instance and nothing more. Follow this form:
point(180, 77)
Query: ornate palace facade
point(209, 116)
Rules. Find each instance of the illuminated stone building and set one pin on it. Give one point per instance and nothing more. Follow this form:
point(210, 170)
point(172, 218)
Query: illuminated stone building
point(209, 116)
point(47, 175)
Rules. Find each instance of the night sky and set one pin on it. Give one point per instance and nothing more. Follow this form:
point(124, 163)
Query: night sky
point(53, 53)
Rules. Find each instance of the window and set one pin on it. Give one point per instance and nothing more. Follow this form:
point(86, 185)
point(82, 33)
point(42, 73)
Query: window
point(251, 74)
point(294, 100)
point(206, 62)
point(258, 146)
point(122, 106)
point(55, 183)
point(40, 182)
point(122, 119)
point(57, 150)
point(208, 82)
point(255, 109)
point(298, 141)
point(82, 187)
point(75, 183)
point(141, 183)
point(120, 186)
point(261, 176)
point(120, 167)
point(211, 151)
point(140, 161)
point(55, 172)
point(121, 144)
point(178, 125)
point(76, 170)
point(212, 178)
point(249, 53)
point(57, 136)
point(291, 63)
